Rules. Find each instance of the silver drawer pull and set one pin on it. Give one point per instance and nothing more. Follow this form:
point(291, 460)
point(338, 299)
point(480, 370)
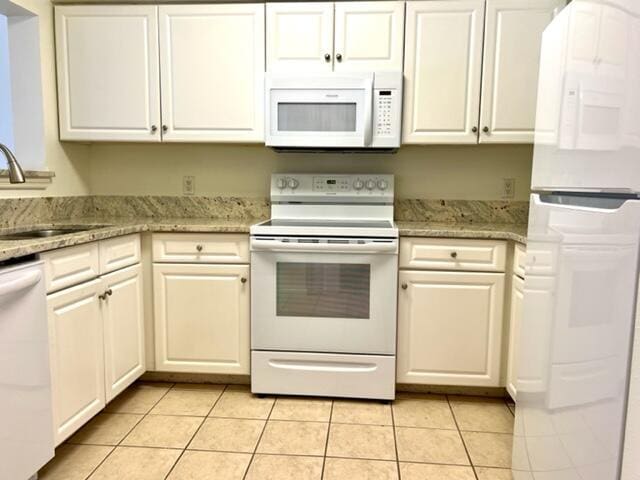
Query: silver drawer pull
point(243, 279)
point(199, 248)
point(404, 286)
point(454, 254)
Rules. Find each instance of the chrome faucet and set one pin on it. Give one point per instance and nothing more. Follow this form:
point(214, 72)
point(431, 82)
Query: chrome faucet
point(16, 174)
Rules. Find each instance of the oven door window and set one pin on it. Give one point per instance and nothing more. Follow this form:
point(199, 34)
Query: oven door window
point(329, 290)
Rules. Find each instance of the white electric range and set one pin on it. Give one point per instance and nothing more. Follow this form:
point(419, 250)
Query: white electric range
point(324, 288)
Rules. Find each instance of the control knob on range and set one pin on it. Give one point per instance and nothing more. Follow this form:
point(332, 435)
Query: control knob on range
point(358, 185)
point(370, 185)
point(281, 183)
point(293, 183)
point(382, 184)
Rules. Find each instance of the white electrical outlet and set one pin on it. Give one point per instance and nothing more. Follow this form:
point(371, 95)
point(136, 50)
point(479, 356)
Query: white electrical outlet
point(508, 187)
point(188, 185)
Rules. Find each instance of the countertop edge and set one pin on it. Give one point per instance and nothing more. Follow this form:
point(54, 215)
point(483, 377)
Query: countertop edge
point(13, 249)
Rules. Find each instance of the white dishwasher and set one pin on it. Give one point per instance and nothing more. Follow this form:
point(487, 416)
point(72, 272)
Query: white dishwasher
point(26, 425)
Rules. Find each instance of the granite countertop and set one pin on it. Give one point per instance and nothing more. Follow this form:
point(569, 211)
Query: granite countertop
point(113, 227)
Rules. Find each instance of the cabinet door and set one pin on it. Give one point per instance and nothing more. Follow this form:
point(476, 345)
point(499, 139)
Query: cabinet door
point(123, 317)
point(77, 356)
point(450, 328)
point(369, 36)
point(108, 83)
point(515, 319)
point(300, 37)
point(202, 318)
point(442, 66)
point(212, 65)
point(513, 37)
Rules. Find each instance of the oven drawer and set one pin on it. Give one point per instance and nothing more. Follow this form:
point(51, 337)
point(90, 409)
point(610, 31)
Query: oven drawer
point(201, 248)
point(453, 254)
point(323, 374)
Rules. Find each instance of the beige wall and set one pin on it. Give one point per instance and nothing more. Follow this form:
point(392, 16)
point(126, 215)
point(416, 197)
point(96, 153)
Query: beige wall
point(69, 161)
point(449, 172)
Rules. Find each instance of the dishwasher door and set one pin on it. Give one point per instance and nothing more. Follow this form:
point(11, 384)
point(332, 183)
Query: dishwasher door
point(26, 424)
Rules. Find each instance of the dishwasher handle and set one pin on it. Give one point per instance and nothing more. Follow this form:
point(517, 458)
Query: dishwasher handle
point(27, 280)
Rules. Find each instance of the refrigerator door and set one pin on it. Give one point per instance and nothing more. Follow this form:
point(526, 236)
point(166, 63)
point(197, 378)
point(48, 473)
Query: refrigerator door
point(588, 110)
point(574, 346)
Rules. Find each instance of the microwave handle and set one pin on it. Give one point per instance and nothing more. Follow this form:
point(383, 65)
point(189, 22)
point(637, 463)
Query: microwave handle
point(368, 114)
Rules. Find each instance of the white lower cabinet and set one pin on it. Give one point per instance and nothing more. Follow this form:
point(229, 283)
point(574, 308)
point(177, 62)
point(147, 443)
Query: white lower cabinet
point(123, 319)
point(96, 335)
point(450, 327)
point(77, 356)
point(202, 318)
point(515, 318)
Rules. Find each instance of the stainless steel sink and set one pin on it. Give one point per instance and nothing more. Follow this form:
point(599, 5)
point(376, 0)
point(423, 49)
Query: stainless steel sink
point(48, 232)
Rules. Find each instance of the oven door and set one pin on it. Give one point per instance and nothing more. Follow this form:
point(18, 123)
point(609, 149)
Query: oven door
point(319, 111)
point(315, 301)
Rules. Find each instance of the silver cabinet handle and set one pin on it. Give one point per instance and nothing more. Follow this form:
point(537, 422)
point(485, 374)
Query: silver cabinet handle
point(243, 279)
point(404, 286)
point(339, 57)
point(106, 294)
point(154, 129)
point(164, 128)
point(327, 57)
point(474, 129)
point(485, 129)
point(454, 254)
point(199, 248)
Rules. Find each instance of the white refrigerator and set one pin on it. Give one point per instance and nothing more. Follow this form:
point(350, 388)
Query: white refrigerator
point(578, 385)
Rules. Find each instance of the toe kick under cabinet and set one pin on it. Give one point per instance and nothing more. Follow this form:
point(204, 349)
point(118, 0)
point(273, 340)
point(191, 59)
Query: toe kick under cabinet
point(201, 302)
point(96, 327)
point(450, 311)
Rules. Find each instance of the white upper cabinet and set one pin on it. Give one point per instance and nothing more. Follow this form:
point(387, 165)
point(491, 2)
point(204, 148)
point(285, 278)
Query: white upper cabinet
point(300, 37)
point(342, 37)
point(369, 36)
point(212, 69)
point(443, 55)
point(513, 37)
point(108, 83)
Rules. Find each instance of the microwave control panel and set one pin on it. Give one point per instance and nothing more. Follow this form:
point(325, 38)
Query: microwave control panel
point(387, 108)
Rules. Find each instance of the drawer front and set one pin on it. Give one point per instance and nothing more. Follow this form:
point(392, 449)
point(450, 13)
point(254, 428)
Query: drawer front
point(201, 248)
point(452, 254)
point(70, 266)
point(119, 252)
point(519, 258)
point(323, 374)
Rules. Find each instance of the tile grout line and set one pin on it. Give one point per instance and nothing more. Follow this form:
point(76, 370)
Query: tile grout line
point(395, 439)
point(326, 443)
point(464, 444)
point(127, 434)
point(255, 449)
point(196, 432)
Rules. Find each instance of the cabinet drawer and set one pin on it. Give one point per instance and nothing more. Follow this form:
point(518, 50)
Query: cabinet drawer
point(519, 258)
point(201, 248)
point(452, 254)
point(70, 266)
point(119, 252)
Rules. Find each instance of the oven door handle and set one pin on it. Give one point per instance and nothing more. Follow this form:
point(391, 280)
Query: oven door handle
point(280, 246)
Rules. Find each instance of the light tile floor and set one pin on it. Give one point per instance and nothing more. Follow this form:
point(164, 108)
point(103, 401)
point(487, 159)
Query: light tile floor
point(157, 431)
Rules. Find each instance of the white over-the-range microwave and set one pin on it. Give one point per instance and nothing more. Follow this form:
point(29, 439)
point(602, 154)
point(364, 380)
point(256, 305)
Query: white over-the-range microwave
point(334, 111)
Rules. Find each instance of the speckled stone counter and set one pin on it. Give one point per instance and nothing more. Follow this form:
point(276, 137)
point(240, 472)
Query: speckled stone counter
point(497, 231)
point(118, 226)
point(114, 228)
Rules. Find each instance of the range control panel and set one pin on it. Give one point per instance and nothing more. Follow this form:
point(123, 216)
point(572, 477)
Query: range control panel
point(308, 185)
